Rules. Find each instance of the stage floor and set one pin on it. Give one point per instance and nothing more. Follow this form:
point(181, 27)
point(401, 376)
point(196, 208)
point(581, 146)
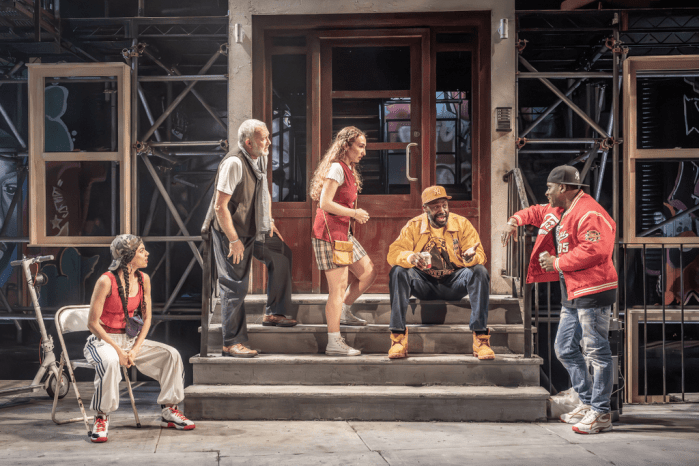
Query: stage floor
point(657, 434)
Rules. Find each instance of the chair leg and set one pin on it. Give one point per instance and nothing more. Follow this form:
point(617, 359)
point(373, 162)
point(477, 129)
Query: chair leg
point(133, 402)
point(77, 395)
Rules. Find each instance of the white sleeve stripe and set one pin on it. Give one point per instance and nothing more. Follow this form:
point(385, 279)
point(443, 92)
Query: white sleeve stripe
point(599, 215)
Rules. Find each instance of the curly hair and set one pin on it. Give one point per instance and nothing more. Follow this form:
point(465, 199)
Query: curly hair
point(336, 153)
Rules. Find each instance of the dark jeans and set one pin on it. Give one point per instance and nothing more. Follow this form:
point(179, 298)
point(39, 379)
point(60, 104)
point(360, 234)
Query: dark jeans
point(233, 281)
point(473, 281)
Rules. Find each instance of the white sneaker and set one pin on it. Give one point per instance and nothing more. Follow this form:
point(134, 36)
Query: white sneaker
point(338, 347)
point(172, 417)
point(347, 318)
point(594, 423)
point(100, 428)
point(576, 415)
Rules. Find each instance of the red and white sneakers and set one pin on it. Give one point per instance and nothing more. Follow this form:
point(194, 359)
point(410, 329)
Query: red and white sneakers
point(172, 417)
point(100, 428)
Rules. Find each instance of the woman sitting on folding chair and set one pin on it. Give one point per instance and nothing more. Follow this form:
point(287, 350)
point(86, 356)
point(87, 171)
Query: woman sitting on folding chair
point(119, 340)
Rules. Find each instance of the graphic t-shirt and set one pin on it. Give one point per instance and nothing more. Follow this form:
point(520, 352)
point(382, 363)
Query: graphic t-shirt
point(437, 247)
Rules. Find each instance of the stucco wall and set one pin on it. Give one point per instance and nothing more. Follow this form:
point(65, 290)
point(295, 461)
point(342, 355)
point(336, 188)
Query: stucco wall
point(502, 79)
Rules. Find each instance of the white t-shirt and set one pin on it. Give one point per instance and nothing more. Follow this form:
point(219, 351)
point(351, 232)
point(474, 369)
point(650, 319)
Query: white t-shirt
point(231, 173)
point(336, 173)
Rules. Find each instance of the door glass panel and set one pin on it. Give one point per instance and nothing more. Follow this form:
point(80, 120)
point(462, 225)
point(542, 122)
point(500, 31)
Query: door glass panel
point(383, 172)
point(371, 68)
point(453, 126)
point(67, 101)
point(79, 198)
point(383, 120)
point(288, 128)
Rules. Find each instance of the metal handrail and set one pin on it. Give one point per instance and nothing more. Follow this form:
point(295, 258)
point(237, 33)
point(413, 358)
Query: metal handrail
point(517, 261)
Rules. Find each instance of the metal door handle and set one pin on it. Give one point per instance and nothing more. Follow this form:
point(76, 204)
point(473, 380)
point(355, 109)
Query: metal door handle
point(407, 161)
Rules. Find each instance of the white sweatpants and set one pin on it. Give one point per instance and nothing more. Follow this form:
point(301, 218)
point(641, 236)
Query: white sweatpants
point(156, 360)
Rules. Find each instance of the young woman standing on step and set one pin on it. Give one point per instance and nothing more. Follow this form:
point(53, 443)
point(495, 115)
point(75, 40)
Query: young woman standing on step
point(336, 184)
point(121, 292)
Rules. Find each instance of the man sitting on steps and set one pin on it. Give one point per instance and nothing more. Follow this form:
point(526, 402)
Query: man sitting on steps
point(438, 255)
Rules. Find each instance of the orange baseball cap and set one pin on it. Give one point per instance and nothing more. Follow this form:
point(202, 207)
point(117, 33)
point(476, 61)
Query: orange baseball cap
point(432, 193)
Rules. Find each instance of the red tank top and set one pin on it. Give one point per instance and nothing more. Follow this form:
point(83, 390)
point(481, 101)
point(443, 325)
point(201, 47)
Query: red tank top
point(345, 195)
point(113, 310)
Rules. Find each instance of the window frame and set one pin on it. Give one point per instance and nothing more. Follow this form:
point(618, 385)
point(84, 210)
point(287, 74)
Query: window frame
point(632, 153)
point(38, 156)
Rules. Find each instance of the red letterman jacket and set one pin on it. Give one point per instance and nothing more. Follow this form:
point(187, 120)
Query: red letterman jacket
point(585, 245)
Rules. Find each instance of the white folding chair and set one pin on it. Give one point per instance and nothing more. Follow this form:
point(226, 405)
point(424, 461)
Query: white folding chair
point(71, 319)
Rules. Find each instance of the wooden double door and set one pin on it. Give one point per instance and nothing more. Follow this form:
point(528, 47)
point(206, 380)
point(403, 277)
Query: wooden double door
point(412, 91)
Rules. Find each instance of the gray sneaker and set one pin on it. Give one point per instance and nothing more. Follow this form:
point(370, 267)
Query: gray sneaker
point(338, 347)
point(576, 415)
point(594, 423)
point(347, 318)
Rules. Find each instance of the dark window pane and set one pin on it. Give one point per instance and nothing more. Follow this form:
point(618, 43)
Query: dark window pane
point(289, 128)
point(663, 190)
point(453, 126)
point(383, 120)
point(79, 198)
point(371, 68)
point(457, 38)
point(667, 113)
point(289, 41)
point(79, 116)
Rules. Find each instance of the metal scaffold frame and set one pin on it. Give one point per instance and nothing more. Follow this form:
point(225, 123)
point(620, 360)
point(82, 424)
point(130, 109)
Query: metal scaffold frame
point(149, 144)
point(656, 32)
point(598, 140)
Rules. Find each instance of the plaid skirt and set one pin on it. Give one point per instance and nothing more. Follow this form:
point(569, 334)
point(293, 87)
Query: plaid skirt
point(324, 253)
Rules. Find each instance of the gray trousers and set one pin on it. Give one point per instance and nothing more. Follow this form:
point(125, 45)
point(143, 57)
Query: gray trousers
point(233, 281)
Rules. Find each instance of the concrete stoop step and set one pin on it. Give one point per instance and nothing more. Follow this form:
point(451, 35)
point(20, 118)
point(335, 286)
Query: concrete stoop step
point(312, 339)
point(366, 403)
point(292, 378)
point(507, 370)
point(434, 326)
point(376, 309)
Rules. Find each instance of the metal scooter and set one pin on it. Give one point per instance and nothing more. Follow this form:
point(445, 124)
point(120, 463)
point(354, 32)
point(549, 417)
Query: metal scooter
point(48, 376)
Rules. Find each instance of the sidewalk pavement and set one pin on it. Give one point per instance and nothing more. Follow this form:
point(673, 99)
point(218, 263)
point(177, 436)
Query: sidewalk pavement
point(646, 434)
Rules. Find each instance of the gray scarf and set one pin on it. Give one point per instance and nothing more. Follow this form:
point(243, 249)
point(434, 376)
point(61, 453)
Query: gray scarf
point(262, 199)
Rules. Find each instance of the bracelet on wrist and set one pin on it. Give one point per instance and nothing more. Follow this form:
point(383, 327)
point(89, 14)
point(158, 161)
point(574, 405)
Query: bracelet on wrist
point(233, 242)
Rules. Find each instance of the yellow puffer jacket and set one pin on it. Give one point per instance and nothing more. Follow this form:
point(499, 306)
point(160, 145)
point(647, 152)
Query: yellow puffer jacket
point(459, 234)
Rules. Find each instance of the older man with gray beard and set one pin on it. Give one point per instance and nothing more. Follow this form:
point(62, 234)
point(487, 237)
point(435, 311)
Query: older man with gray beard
point(244, 228)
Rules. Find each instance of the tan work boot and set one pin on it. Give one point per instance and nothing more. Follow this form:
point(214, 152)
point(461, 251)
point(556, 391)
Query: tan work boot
point(399, 345)
point(481, 346)
point(238, 351)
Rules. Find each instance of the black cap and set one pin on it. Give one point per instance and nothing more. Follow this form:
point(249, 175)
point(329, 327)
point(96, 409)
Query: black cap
point(565, 174)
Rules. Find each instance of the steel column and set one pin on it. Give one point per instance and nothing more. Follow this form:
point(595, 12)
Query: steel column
point(170, 205)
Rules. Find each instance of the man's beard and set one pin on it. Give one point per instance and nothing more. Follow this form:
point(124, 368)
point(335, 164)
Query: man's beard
point(257, 151)
point(435, 223)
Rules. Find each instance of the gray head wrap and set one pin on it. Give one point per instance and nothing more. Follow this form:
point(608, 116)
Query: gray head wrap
point(123, 248)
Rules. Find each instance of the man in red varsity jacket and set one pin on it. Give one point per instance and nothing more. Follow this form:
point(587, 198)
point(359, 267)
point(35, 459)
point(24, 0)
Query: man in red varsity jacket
point(575, 245)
